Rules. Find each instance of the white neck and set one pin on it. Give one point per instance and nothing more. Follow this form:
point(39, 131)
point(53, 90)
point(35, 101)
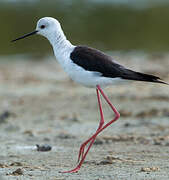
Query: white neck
point(60, 44)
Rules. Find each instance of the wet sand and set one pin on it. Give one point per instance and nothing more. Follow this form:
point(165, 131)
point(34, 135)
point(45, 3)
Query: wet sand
point(40, 105)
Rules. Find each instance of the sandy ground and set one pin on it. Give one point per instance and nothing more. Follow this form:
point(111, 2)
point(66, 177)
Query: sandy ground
point(40, 105)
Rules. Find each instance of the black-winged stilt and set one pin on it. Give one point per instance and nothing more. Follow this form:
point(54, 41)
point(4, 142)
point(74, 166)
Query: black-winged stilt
point(89, 67)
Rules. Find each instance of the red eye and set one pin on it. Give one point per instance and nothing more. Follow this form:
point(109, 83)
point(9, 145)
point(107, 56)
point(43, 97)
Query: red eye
point(42, 26)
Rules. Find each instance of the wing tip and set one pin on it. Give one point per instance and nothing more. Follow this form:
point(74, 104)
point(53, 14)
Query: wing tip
point(161, 81)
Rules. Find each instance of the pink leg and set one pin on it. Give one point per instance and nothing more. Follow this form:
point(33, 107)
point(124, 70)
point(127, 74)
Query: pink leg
point(81, 151)
point(97, 132)
point(82, 147)
point(92, 139)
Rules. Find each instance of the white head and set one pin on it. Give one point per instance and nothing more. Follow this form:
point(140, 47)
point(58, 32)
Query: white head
point(49, 28)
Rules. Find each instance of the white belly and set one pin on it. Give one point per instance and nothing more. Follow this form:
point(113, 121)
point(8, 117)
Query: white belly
point(88, 78)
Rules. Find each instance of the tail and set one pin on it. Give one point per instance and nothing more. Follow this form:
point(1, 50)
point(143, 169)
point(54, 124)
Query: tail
point(137, 76)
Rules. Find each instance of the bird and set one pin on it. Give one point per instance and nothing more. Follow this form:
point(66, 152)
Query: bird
point(89, 67)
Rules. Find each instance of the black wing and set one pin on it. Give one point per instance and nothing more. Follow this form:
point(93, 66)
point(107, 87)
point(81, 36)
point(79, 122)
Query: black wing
point(94, 60)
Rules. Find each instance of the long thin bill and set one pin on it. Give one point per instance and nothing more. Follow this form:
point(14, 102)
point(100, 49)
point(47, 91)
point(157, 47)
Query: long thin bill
point(26, 35)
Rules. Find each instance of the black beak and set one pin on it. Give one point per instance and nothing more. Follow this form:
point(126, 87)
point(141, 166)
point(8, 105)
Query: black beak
point(26, 35)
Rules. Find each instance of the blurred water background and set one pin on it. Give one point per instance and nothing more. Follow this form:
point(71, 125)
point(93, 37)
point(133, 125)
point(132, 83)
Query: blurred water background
point(109, 25)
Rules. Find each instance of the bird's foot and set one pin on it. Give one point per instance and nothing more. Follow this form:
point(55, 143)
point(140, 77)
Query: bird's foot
point(75, 170)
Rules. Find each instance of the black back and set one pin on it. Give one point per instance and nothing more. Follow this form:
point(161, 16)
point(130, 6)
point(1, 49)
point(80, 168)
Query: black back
point(94, 60)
